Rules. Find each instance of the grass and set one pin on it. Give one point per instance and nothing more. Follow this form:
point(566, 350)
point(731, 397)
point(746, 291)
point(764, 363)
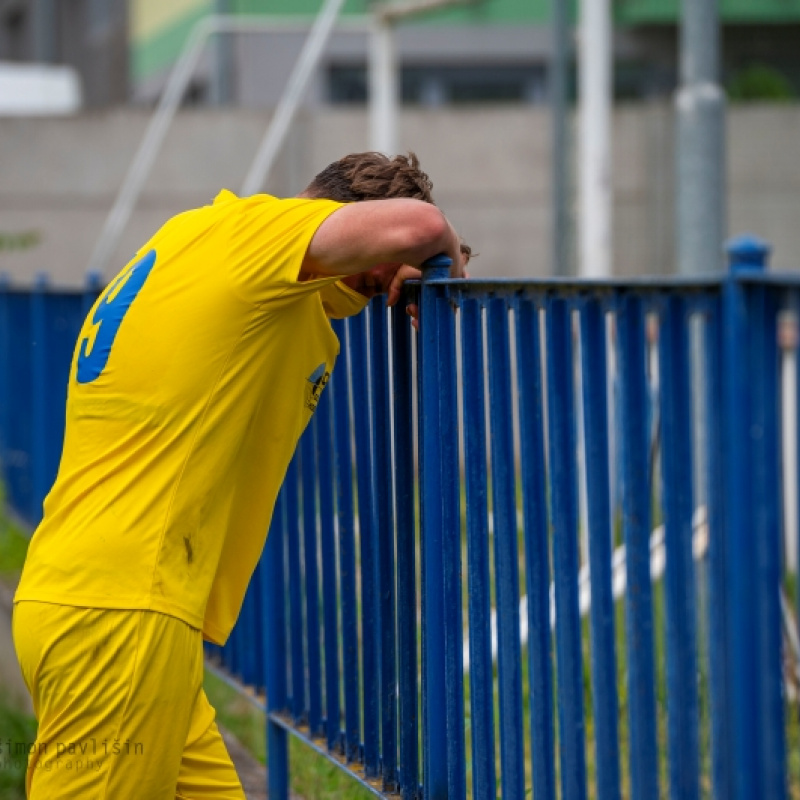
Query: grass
point(13, 547)
point(312, 777)
point(15, 726)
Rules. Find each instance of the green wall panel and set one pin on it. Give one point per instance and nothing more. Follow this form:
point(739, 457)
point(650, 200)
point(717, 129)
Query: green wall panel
point(635, 12)
point(159, 51)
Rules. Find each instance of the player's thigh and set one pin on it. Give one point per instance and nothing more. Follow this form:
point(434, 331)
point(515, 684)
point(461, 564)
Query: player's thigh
point(206, 771)
point(114, 693)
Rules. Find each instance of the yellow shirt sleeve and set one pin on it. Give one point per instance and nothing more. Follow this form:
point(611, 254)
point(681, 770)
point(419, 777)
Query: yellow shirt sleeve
point(266, 241)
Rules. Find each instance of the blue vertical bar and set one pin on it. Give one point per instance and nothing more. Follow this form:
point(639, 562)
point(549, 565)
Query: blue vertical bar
point(676, 454)
point(636, 527)
point(406, 556)
point(382, 480)
point(258, 628)
point(19, 434)
point(796, 307)
point(5, 379)
point(434, 703)
point(604, 663)
point(274, 656)
point(94, 285)
point(292, 516)
point(309, 486)
point(328, 551)
point(360, 366)
point(506, 553)
point(245, 633)
point(537, 551)
point(347, 549)
point(39, 394)
point(451, 551)
point(481, 677)
point(766, 485)
point(719, 680)
point(741, 546)
point(564, 505)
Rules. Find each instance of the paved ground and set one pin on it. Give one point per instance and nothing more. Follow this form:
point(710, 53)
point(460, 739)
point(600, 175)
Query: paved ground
point(10, 675)
point(252, 773)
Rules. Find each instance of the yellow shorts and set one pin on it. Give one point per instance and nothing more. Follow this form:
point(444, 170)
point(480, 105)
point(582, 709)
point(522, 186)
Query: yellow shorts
point(121, 707)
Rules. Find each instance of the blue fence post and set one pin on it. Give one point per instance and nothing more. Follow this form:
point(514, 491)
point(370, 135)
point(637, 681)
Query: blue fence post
point(478, 560)
point(370, 620)
point(434, 701)
point(752, 467)
point(384, 538)
point(537, 550)
point(340, 390)
point(324, 433)
point(451, 549)
point(275, 655)
point(296, 626)
point(94, 285)
point(636, 528)
point(506, 552)
point(603, 657)
point(718, 647)
point(308, 483)
point(564, 526)
point(5, 378)
point(676, 455)
point(39, 394)
point(406, 556)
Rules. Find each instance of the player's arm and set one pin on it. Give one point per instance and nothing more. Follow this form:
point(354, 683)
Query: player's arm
point(358, 236)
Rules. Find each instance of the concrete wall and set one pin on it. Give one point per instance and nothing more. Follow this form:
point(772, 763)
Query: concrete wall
point(490, 168)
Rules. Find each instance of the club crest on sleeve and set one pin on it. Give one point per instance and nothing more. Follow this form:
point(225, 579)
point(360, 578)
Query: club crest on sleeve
point(315, 383)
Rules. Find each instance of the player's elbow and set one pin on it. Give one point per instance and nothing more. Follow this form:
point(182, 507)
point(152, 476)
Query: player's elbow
point(427, 232)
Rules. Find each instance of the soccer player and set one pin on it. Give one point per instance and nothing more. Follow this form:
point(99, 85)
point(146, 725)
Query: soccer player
point(194, 375)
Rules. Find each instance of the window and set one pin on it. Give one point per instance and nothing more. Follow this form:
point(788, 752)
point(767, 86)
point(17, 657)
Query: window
point(440, 85)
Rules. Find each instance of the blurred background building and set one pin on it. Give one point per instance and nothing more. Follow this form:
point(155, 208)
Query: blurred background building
point(474, 82)
point(496, 51)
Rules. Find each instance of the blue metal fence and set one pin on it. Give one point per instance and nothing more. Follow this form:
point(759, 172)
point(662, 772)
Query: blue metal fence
point(466, 496)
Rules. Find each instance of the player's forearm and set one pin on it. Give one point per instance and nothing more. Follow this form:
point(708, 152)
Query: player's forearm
point(360, 235)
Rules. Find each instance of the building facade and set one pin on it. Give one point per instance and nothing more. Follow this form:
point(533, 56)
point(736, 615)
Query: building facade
point(483, 51)
point(89, 35)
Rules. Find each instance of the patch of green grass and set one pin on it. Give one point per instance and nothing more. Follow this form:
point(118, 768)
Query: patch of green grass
point(13, 545)
point(15, 727)
point(312, 777)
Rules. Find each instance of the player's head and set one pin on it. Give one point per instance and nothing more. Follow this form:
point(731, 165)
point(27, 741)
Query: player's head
point(374, 176)
point(371, 176)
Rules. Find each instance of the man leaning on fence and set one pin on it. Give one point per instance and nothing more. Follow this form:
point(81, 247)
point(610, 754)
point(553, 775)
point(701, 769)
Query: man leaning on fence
point(193, 378)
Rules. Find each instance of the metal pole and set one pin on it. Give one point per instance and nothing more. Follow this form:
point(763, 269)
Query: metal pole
point(595, 139)
point(384, 93)
point(383, 88)
point(298, 81)
point(222, 65)
point(700, 198)
point(559, 65)
point(44, 31)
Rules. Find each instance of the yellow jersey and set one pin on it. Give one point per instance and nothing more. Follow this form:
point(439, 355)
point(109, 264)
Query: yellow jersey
point(194, 375)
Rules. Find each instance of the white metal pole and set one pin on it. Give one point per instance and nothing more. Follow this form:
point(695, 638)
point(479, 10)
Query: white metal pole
point(595, 95)
point(383, 88)
point(279, 126)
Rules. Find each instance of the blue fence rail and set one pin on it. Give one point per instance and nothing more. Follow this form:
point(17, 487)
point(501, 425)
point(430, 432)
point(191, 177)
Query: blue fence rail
point(460, 593)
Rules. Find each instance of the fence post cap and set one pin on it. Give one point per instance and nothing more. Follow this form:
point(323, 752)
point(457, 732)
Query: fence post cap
point(747, 252)
point(94, 280)
point(436, 268)
point(41, 282)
